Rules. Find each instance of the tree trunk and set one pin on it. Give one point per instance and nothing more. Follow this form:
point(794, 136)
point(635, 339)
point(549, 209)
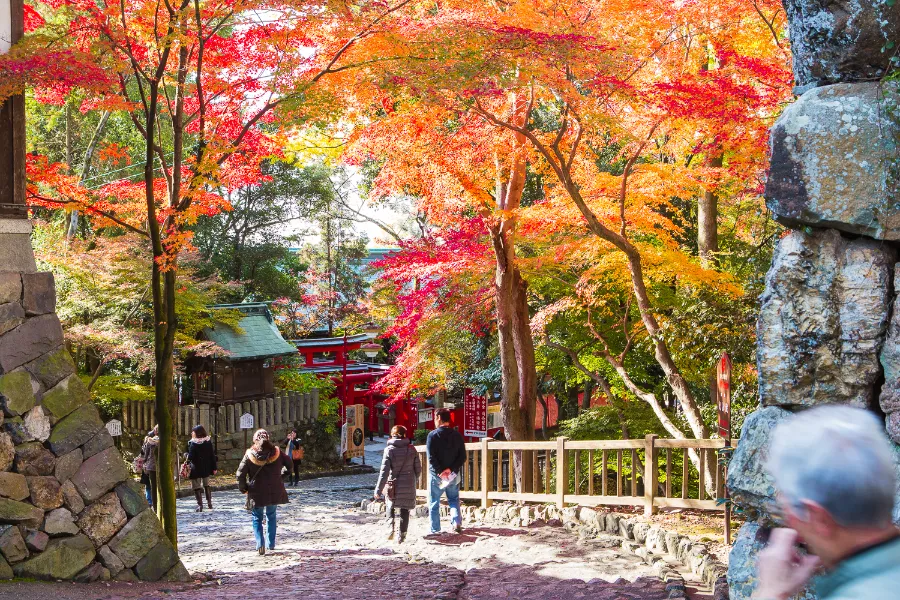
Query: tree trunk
point(707, 221)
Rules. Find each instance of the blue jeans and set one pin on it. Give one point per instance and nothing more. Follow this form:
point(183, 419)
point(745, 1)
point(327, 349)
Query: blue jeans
point(270, 513)
point(434, 504)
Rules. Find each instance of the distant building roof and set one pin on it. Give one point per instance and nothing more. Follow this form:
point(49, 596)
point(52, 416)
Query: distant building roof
point(336, 341)
point(259, 339)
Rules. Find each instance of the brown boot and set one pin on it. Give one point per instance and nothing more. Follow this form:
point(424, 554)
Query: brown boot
point(209, 498)
point(199, 495)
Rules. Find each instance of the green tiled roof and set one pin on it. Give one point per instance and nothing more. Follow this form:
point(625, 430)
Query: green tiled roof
point(259, 339)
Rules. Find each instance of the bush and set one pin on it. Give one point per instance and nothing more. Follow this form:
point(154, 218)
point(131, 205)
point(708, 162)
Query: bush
point(110, 392)
point(419, 436)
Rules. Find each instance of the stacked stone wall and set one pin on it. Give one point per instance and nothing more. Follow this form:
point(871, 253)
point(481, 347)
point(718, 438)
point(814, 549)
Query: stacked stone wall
point(68, 506)
point(829, 326)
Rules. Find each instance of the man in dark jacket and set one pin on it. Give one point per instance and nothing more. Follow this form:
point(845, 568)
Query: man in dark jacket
point(446, 455)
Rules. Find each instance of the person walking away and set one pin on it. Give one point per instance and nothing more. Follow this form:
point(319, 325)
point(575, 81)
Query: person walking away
point(400, 469)
point(446, 454)
point(150, 452)
point(259, 476)
point(295, 451)
point(833, 468)
point(203, 461)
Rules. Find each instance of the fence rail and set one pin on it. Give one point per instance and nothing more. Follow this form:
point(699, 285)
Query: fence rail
point(283, 408)
point(649, 472)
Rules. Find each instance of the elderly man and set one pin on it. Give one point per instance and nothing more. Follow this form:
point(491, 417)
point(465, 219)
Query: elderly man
point(834, 472)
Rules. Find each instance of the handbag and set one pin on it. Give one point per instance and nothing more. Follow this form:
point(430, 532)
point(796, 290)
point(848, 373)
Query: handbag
point(390, 488)
point(138, 465)
point(186, 468)
point(297, 453)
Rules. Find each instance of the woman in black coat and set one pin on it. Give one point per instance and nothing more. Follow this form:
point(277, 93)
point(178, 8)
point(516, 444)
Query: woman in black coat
point(202, 458)
point(259, 476)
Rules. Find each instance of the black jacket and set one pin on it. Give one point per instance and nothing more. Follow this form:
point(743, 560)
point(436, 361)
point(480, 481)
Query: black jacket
point(265, 471)
point(446, 450)
point(202, 457)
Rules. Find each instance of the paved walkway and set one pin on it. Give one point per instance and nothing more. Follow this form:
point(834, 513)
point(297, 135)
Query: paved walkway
point(327, 549)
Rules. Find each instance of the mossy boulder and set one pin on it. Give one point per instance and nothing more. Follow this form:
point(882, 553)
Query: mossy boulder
point(18, 392)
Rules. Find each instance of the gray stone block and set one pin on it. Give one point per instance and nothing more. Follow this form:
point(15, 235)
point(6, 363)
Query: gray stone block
point(28, 341)
point(101, 441)
point(63, 559)
point(840, 41)
point(72, 499)
point(10, 286)
point(103, 519)
point(749, 483)
point(36, 541)
point(140, 535)
point(823, 319)
point(7, 451)
point(68, 464)
point(17, 393)
point(32, 459)
point(53, 367)
point(60, 522)
point(14, 486)
point(75, 429)
point(38, 293)
point(109, 560)
point(45, 492)
point(12, 544)
point(156, 563)
point(13, 511)
point(832, 161)
point(99, 474)
point(11, 316)
point(66, 396)
point(131, 496)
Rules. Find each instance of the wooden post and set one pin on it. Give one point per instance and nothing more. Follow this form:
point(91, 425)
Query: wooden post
point(562, 472)
point(485, 472)
point(651, 473)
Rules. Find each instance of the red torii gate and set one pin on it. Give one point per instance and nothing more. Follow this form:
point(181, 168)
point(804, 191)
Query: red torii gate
point(347, 374)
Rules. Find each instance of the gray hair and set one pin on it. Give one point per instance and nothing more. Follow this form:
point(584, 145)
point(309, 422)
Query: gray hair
point(839, 458)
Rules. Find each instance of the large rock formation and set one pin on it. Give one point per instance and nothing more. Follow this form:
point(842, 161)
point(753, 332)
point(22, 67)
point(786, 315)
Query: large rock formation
point(823, 320)
point(832, 161)
point(68, 506)
point(829, 325)
point(841, 40)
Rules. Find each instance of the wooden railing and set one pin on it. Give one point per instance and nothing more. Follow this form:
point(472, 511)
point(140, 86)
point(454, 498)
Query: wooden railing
point(649, 472)
point(283, 408)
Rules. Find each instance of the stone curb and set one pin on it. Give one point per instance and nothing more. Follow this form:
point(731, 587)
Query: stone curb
point(360, 470)
point(648, 542)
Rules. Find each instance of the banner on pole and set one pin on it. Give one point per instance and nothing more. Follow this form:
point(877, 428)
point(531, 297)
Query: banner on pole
point(355, 435)
point(475, 415)
point(723, 395)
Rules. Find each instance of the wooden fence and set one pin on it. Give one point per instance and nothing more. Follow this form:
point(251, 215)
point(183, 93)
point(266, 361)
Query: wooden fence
point(282, 409)
point(651, 472)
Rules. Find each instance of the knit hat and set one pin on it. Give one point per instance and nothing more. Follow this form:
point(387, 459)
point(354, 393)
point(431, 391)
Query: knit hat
point(261, 434)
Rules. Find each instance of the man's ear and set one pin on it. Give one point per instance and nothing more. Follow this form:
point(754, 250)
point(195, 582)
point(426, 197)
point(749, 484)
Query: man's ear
point(819, 519)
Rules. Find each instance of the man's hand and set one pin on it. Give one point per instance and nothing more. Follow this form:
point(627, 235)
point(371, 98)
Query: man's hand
point(445, 474)
point(782, 570)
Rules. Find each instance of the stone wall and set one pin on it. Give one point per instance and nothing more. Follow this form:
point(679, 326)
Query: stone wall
point(828, 329)
point(68, 507)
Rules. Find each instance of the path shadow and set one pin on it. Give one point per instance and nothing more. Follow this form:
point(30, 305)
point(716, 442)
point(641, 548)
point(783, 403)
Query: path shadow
point(470, 535)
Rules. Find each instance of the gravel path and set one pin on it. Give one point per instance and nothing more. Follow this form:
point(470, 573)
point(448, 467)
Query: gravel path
point(326, 548)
